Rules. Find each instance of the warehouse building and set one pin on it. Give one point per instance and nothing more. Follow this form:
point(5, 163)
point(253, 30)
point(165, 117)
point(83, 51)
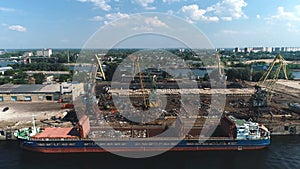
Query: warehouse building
point(39, 93)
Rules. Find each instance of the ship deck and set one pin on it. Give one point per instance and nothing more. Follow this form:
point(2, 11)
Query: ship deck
point(51, 133)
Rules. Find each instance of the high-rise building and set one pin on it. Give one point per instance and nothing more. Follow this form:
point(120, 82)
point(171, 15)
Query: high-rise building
point(44, 52)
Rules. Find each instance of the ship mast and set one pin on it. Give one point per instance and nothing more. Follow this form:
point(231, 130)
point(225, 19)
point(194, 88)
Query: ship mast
point(33, 123)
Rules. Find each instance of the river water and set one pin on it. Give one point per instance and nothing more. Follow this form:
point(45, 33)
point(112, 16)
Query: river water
point(296, 74)
point(284, 152)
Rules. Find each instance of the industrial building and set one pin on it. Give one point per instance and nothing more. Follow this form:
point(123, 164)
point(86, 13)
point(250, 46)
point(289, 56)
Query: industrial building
point(40, 93)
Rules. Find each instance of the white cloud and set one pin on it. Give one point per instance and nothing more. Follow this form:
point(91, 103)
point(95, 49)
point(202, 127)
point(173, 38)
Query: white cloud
point(155, 22)
point(292, 28)
point(18, 28)
point(99, 3)
point(150, 23)
point(171, 1)
point(287, 16)
point(227, 18)
point(193, 13)
point(229, 8)
point(258, 16)
point(97, 18)
point(142, 28)
point(230, 32)
point(170, 12)
point(288, 19)
point(115, 16)
point(226, 10)
point(109, 17)
point(3, 9)
point(234, 32)
point(297, 8)
point(145, 4)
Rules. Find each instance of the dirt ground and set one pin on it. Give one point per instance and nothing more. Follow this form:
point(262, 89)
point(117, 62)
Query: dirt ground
point(21, 113)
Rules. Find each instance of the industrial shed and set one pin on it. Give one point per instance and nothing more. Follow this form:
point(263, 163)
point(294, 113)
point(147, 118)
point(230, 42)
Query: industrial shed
point(38, 92)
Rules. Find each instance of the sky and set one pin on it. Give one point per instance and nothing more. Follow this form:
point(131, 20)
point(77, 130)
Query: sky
point(226, 23)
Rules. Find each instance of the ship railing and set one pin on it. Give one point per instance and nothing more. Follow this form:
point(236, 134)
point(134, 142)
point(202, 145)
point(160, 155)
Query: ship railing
point(53, 139)
point(149, 138)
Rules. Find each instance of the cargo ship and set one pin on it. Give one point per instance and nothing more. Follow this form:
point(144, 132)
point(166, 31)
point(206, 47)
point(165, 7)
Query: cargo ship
point(237, 134)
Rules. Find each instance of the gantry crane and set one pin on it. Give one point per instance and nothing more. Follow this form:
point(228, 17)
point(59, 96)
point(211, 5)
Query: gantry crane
point(263, 89)
point(151, 101)
point(267, 81)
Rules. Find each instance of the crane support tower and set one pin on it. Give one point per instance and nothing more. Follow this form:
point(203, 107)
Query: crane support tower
point(267, 81)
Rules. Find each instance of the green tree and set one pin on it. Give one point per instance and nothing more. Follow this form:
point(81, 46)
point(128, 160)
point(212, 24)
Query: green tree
point(20, 75)
point(61, 58)
point(39, 78)
point(64, 78)
point(206, 77)
point(257, 75)
point(5, 80)
point(241, 74)
point(20, 81)
point(9, 73)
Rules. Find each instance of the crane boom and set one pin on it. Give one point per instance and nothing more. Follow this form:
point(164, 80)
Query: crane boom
point(101, 68)
point(220, 72)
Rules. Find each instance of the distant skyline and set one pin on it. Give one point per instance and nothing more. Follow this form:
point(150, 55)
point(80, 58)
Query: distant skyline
point(226, 23)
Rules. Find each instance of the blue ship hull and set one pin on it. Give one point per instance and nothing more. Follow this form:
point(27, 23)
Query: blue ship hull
point(69, 146)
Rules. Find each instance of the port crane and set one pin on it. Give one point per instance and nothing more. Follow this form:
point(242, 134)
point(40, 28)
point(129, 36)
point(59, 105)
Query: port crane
point(268, 79)
point(220, 70)
point(101, 73)
point(270, 84)
point(104, 98)
point(145, 103)
point(152, 101)
point(264, 87)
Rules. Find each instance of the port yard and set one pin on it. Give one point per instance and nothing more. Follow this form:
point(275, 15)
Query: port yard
point(284, 121)
point(281, 120)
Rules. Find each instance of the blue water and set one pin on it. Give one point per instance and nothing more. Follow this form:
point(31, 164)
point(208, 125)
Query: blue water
point(6, 63)
point(296, 74)
point(284, 152)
